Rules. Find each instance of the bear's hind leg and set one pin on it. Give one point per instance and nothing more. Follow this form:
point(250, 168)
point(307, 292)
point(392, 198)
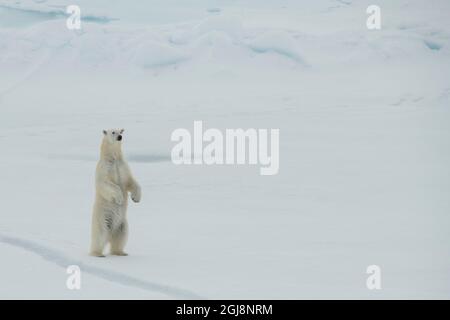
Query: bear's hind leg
point(119, 239)
point(99, 239)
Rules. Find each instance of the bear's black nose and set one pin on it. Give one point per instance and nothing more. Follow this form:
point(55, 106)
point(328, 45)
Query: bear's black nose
point(119, 138)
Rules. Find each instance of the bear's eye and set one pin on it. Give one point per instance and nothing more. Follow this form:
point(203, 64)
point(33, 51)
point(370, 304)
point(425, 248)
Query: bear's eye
point(114, 132)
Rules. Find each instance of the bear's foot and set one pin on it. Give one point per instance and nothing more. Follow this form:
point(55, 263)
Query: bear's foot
point(97, 254)
point(121, 253)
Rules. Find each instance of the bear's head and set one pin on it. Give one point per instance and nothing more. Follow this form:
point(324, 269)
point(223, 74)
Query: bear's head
point(113, 136)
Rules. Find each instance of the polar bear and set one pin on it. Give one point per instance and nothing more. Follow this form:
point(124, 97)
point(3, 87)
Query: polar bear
point(113, 181)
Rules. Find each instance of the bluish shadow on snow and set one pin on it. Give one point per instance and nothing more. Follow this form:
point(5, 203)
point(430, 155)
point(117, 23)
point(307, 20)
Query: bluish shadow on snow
point(432, 45)
point(286, 53)
point(63, 261)
point(150, 158)
point(214, 10)
point(10, 17)
point(23, 17)
point(132, 157)
point(72, 157)
point(277, 42)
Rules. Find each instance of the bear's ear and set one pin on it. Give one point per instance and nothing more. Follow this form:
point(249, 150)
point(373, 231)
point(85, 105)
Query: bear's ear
point(104, 132)
point(122, 130)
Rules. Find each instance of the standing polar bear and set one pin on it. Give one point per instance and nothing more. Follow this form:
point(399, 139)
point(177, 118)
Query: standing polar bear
point(113, 181)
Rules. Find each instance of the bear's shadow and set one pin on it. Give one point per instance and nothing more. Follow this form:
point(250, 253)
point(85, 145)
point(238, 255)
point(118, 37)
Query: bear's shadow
point(131, 157)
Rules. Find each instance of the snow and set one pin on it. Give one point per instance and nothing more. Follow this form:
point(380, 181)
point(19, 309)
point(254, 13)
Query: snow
point(277, 42)
point(363, 118)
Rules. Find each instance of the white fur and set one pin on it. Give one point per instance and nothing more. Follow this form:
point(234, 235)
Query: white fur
point(113, 182)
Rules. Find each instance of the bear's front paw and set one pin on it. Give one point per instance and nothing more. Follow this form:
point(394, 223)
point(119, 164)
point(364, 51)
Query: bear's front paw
point(136, 195)
point(118, 199)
